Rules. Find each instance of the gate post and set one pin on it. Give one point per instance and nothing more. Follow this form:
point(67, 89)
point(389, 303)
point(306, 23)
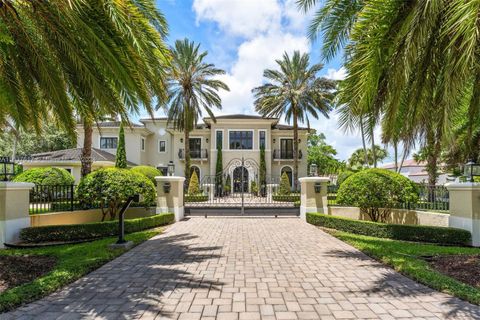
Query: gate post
point(313, 195)
point(14, 210)
point(210, 191)
point(170, 195)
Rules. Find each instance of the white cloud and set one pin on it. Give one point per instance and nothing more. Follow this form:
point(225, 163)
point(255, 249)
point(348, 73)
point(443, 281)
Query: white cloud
point(244, 18)
point(335, 74)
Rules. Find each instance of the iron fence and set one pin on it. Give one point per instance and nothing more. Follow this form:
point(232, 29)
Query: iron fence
point(430, 198)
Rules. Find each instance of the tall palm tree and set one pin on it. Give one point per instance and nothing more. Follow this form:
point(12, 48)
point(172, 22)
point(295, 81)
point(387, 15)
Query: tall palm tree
point(193, 89)
point(88, 58)
point(417, 56)
point(295, 92)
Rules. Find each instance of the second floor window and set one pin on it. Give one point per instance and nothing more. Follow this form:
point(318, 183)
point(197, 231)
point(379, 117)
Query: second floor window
point(241, 140)
point(262, 139)
point(162, 146)
point(219, 139)
point(108, 143)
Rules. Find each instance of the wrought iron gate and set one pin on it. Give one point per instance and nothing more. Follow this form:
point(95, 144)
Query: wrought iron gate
point(241, 189)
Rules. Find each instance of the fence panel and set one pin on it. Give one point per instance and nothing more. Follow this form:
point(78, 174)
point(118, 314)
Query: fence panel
point(52, 198)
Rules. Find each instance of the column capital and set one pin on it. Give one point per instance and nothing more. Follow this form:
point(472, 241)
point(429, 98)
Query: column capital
point(465, 186)
point(16, 185)
point(169, 178)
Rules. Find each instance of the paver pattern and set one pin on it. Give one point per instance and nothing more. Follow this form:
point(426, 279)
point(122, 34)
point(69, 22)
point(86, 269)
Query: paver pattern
point(239, 268)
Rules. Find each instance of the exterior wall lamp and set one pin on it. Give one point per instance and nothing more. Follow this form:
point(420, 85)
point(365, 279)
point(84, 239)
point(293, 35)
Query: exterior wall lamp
point(313, 170)
point(171, 168)
point(471, 170)
point(181, 140)
point(166, 187)
point(318, 187)
point(7, 168)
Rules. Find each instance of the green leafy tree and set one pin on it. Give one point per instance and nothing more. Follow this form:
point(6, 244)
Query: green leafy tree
point(295, 92)
point(323, 155)
point(148, 171)
point(111, 187)
point(193, 186)
point(46, 176)
point(219, 172)
point(357, 159)
point(263, 173)
point(193, 89)
point(285, 185)
point(121, 156)
point(376, 192)
point(24, 142)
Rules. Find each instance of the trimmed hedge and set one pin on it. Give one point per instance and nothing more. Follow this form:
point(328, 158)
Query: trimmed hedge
point(74, 232)
point(286, 197)
point(441, 235)
point(196, 198)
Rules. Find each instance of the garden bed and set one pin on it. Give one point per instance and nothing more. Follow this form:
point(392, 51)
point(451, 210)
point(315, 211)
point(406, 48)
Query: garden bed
point(464, 268)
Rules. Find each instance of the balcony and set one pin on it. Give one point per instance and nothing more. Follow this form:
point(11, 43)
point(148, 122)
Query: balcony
point(200, 154)
point(285, 154)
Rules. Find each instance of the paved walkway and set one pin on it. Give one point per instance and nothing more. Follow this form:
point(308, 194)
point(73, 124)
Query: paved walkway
point(234, 268)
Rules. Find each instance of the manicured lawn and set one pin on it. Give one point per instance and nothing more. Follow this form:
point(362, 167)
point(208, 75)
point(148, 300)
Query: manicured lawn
point(73, 262)
point(405, 257)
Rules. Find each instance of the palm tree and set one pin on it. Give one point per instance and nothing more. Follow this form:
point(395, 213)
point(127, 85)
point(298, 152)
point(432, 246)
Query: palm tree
point(62, 59)
point(295, 92)
point(192, 89)
point(416, 56)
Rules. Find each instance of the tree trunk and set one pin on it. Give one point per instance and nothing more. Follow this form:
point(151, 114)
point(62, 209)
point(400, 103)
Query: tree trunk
point(432, 157)
point(187, 157)
point(374, 154)
point(395, 154)
point(364, 144)
point(404, 155)
point(295, 149)
point(86, 159)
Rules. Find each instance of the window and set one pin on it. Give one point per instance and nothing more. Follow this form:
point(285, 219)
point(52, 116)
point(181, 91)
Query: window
point(241, 140)
point(219, 139)
point(108, 143)
point(162, 146)
point(143, 144)
point(262, 139)
point(286, 148)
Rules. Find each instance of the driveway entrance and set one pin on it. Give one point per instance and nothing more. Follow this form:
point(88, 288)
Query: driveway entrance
point(239, 268)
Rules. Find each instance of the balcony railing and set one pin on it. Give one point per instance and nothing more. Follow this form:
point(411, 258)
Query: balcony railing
point(194, 154)
point(285, 154)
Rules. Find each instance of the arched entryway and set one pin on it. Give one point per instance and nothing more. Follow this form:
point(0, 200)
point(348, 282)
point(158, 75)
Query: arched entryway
point(240, 179)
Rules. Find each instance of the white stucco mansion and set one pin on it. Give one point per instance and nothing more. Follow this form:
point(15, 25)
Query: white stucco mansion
point(151, 142)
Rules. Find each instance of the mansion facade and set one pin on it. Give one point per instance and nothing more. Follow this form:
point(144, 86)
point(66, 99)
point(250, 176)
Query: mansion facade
point(154, 143)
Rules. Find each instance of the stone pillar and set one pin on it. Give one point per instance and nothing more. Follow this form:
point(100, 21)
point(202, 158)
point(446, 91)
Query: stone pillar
point(311, 201)
point(14, 210)
point(173, 200)
point(465, 208)
point(210, 190)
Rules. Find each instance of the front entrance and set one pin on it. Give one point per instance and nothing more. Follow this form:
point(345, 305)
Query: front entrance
point(241, 189)
point(240, 179)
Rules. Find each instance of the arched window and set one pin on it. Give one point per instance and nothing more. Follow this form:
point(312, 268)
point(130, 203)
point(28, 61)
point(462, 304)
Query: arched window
point(197, 171)
point(289, 172)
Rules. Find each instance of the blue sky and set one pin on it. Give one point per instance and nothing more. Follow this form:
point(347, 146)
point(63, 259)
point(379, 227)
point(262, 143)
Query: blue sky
point(244, 37)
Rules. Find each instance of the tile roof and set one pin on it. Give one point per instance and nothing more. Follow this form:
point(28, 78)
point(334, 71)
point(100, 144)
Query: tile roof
point(116, 124)
point(73, 155)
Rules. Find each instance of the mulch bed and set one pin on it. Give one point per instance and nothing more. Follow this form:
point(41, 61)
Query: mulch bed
point(17, 270)
point(464, 268)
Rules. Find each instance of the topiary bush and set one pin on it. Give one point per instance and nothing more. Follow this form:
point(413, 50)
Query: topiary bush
point(342, 176)
point(254, 187)
point(111, 187)
point(285, 185)
point(148, 171)
point(46, 176)
point(376, 192)
point(74, 232)
point(193, 186)
point(441, 235)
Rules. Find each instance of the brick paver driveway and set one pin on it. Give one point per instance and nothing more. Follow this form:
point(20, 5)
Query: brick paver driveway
point(238, 268)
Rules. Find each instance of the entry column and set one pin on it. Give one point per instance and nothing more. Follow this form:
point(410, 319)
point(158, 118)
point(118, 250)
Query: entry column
point(313, 195)
point(170, 196)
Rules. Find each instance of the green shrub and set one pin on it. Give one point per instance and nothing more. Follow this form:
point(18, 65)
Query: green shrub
point(196, 198)
point(193, 186)
point(376, 192)
point(46, 176)
point(286, 197)
point(74, 232)
point(148, 171)
point(342, 176)
point(111, 187)
point(285, 185)
point(254, 187)
point(228, 185)
point(451, 236)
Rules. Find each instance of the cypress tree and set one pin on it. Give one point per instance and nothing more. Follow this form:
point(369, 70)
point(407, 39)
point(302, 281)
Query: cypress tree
point(285, 186)
point(218, 172)
point(263, 172)
point(121, 157)
point(193, 186)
